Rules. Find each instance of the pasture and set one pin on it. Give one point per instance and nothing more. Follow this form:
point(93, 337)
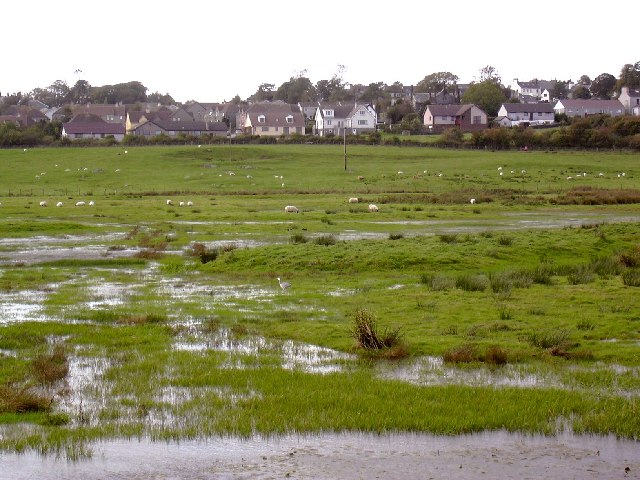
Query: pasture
point(133, 317)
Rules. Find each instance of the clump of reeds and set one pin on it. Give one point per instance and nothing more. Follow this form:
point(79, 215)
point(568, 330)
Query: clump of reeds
point(299, 238)
point(448, 237)
point(631, 277)
point(580, 275)
point(142, 319)
point(437, 282)
point(14, 399)
point(549, 339)
point(51, 367)
point(386, 343)
point(395, 236)
point(204, 253)
point(469, 352)
point(325, 240)
point(472, 283)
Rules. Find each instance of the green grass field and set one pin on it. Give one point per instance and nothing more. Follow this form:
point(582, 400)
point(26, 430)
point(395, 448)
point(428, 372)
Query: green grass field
point(519, 312)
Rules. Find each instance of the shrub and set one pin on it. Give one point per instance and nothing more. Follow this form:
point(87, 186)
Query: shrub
point(205, 254)
point(505, 241)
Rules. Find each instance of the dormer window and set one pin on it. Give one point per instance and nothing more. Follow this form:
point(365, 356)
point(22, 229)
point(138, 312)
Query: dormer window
point(261, 119)
point(328, 113)
point(289, 118)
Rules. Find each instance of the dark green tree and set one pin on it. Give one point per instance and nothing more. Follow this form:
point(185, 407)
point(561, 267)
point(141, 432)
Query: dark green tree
point(435, 82)
point(629, 76)
point(581, 91)
point(560, 90)
point(297, 89)
point(603, 86)
point(487, 95)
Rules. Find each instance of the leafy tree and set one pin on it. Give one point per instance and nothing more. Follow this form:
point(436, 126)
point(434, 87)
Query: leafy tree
point(560, 90)
point(157, 97)
point(582, 92)
point(603, 86)
point(297, 89)
point(59, 93)
point(264, 93)
point(435, 82)
point(629, 76)
point(489, 74)
point(398, 111)
point(487, 95)
point(335, 89)
point(584, 80)
point(374, 92)
point(10, 101)
point(80, 92)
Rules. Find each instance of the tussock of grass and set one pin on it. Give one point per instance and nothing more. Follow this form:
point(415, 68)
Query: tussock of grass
point(631, 277)
point(23, 399)
point(387, 343)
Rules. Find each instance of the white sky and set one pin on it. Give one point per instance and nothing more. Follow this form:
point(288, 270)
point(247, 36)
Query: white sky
point(210, 51)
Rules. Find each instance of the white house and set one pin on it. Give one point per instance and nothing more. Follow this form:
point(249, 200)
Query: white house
point(362, 118)
point(582, 108)
point(629, 98)
point(333, 119)
point(531, 113)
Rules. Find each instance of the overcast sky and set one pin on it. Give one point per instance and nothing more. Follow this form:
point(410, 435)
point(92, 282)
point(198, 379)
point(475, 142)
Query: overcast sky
point(210, 51)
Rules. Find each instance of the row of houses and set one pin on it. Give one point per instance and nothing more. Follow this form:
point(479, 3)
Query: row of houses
point(278, 118)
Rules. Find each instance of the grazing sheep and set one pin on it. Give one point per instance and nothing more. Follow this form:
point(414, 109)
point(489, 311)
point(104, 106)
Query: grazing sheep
point(472, 201)
point(353, 200)
point(373, 208)
point(43, 203)
point(80, 204)
point(291, 209)
point(189, 203)
point(182, 204)
point(59, 204)
point(92, 203)
point(360, 177)
point(169, 202)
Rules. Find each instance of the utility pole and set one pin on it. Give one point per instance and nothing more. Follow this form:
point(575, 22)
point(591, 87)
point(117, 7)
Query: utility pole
point(344, 135)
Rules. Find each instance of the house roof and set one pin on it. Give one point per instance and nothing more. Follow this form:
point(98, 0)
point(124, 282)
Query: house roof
point(275, 114)
point(572, 103)
point(543, 107)
point(92, 124)
point(339, 110)
point(188, 126)
point(449, 110)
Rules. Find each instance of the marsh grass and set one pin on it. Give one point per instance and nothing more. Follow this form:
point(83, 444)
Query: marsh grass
point(23, 399)
point(325, 240)
point(472, 282)
point(437, 282)
point(51, 367)
point(298, 238)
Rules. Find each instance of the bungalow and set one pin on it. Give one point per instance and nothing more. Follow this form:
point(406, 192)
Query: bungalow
point(629, 98)
point(108, 112)
point(151, 128)
point(582, 108)
point(529, 113)
point(92, 126)
point(468, 117)
point(272, 119)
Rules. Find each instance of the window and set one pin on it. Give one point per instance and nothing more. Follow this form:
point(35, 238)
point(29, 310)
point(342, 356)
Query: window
point(476, 119)
point(329, 122)
point(362, 112)
point(289, 119)
point(265, 129)
point(444, 118)
point(539, 114)
point(328, 113)
point(261, 119)
point(362, 122)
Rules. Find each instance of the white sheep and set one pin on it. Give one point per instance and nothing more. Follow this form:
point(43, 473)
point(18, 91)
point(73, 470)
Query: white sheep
point(353, 200)
point(59, 204)
point(92, 203)
point(472, 201)
point(373, 208)
point(182, 204)
point(291, 209)
point(169, 202)
point(189, 203)
point(43, 203)
point(80, 204)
